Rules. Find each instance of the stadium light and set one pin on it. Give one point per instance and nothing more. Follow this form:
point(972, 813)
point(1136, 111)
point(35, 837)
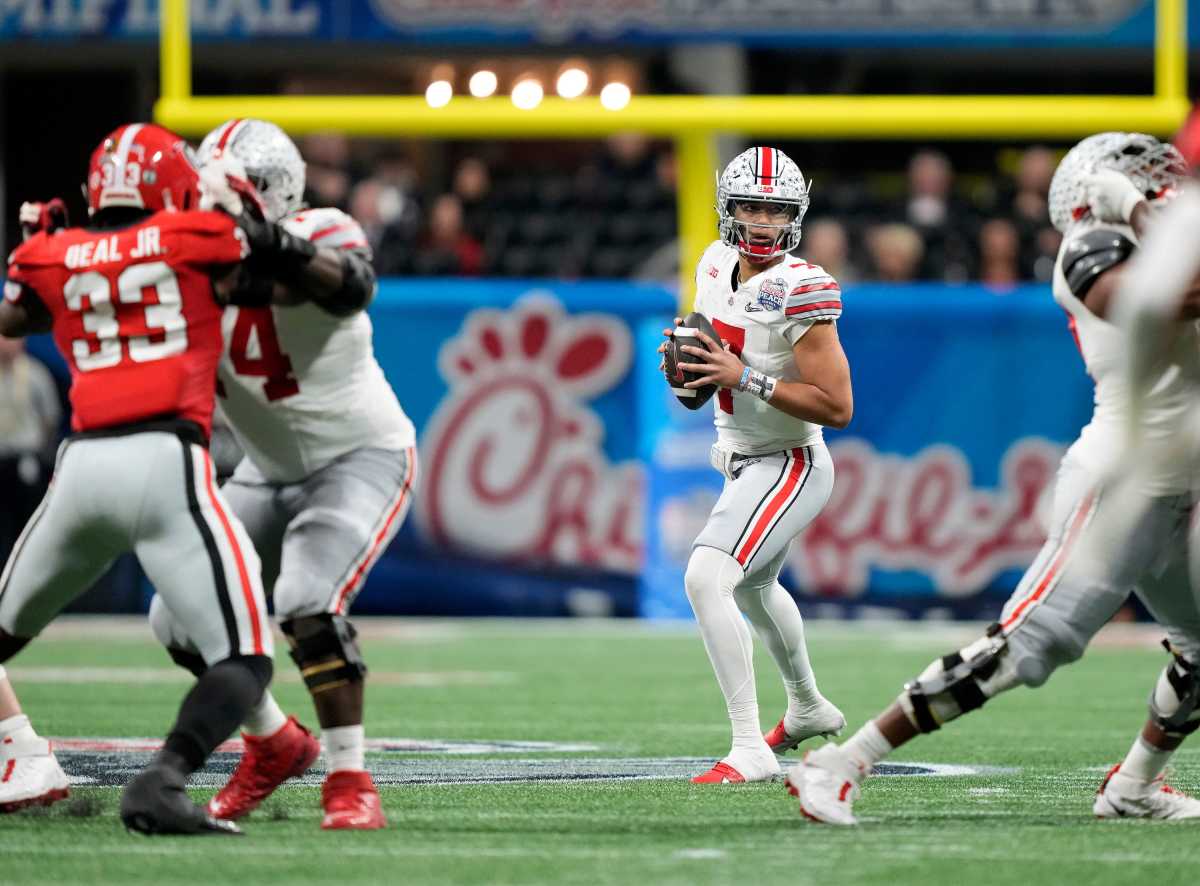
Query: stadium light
point(439, 93)
point(527, 93)
point(615, 96)
point(483, 83)
point(572, 82)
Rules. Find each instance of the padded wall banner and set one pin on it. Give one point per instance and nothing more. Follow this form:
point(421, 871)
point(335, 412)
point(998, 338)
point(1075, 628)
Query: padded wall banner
point(1098, 23)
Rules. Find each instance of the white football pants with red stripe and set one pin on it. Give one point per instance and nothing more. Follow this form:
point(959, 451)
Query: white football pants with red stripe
point(317, 538)
point(154, 494)
point(1066, 597)
point(767, 501)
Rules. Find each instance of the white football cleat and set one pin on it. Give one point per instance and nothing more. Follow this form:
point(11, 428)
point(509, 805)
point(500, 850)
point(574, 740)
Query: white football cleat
point(742, 766)
point(1121, 796)
point(826, 782)
point(823, 719)
point(30, 776)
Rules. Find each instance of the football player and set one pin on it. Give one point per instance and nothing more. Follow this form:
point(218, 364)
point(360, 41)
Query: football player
point(1066, 596)
point(1155, 305)
point(327, 477)
point(130, 300)
point(782, 376)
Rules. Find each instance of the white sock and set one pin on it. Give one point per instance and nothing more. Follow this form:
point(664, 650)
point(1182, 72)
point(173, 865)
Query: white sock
point(343, 746)
point(17, 730)
point(867, 747)
point(777, 621)
point(711, 577)
point(1143, 763)
point(266, 718)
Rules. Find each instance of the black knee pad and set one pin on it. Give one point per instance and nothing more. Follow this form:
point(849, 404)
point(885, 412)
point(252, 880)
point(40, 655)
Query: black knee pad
point(10, 645)
point(189, 661)
point(1175, 699)
point(324, 648)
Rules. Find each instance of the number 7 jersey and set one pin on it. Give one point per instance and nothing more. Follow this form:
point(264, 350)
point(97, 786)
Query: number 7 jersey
point(301, 387)
point(762, 320)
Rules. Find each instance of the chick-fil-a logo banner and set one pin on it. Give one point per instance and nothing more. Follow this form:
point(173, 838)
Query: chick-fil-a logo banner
point(925, 513)
point(516, 468)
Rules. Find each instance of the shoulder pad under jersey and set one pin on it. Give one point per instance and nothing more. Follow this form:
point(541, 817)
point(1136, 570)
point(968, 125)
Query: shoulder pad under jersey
point(328, 227)
point(1090, 254)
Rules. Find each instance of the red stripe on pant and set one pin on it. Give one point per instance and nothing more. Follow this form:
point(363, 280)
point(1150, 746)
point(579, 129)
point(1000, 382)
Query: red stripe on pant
point(798, 463)
point(1064, 550)
point(377, 545)
point(243, 572)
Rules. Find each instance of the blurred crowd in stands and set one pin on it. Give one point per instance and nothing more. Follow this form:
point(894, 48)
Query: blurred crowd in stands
point(607, 209)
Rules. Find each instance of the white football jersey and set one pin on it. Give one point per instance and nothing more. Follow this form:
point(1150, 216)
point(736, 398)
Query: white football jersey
point(301, 387)
point(762, 320)
point(1102, 440)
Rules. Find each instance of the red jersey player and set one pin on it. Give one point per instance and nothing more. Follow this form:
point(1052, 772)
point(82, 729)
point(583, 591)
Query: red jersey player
point(130, 300)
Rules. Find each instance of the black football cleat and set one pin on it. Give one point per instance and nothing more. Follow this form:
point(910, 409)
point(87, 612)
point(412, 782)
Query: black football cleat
point(156, 803)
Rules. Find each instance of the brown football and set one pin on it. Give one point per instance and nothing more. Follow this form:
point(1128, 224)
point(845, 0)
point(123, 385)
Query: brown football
point(692, 398)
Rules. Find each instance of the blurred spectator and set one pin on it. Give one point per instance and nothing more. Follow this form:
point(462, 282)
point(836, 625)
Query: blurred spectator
point(29, 415)
point(327, 173)
point(473, 187)
point(896, 252)
point(1030, 212)
point(390, 219)
point(824, 242)
point(942, 220)
point(447, 248)
point(999, 253)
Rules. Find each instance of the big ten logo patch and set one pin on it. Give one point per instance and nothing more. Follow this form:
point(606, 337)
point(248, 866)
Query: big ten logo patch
point(923, 513)
point(516, 465)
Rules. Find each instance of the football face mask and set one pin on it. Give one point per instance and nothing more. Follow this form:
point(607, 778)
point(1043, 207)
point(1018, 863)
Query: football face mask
point(761, 201)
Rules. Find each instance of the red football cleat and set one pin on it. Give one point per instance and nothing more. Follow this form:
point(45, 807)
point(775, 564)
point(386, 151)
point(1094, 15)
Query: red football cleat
point(351, 802)
point(265, 765)
point(722, 773)
point(779, 741)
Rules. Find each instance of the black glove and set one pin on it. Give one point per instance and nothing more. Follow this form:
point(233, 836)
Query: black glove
point(273, 246)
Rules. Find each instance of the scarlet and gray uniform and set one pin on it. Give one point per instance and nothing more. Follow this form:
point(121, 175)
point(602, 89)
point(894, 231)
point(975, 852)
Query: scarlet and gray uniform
point(778, 473)
point(134, 316)
point(330, 458)
point(1064, 599)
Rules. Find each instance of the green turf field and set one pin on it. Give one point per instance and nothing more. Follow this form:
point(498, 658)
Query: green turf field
point(611, 699)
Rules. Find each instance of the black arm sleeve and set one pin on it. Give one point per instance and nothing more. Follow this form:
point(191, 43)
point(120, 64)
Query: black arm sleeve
point(1089, 255)
point(358, 286)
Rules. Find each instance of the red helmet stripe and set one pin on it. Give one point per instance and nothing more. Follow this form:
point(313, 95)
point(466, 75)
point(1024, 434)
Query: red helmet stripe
point(766, 167)
point(227, 135)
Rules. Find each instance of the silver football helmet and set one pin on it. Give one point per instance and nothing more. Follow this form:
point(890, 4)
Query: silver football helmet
point(765, 175)
point(272, 161)
point(1155, 168)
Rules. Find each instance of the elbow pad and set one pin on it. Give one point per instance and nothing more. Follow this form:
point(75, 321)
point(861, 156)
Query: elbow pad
point(1088, 256)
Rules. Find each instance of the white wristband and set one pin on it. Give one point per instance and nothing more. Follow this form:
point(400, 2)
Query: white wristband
point(757, 383)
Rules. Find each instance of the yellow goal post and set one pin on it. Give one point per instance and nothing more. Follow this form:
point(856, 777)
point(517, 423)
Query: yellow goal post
point(691, 121)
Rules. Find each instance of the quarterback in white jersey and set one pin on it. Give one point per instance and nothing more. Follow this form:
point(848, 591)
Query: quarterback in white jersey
point(328, 473)
point(782, 375)
point(1078, 581)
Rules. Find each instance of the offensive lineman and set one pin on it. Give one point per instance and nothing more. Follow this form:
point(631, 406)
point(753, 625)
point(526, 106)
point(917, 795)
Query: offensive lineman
point(1066, 597)
point(327, 477)
point(782, 375)
point(130, 299)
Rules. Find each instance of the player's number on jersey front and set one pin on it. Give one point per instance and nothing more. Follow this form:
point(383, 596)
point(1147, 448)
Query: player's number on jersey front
point(735, 337)
point(102, 348)
point(254, 334)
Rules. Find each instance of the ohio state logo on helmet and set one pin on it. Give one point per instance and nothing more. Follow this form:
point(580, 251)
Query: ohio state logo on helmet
point(142, 166)
point(765, 175)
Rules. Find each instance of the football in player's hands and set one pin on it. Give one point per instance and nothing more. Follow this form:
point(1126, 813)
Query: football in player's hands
point(673, 355)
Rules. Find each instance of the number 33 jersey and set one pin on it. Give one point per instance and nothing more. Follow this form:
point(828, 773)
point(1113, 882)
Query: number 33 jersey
point(301, 387)
point(761, 320)
point(133, 313)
